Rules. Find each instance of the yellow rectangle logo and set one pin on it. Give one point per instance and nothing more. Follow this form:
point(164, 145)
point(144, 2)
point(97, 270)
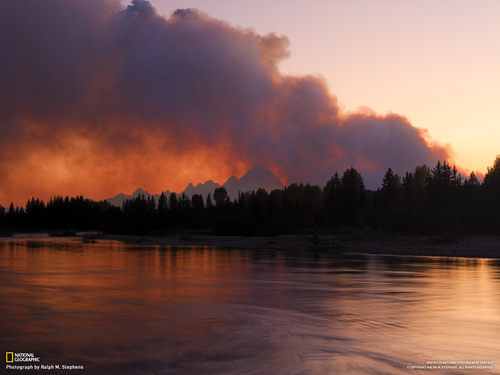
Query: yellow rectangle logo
point(9, 357)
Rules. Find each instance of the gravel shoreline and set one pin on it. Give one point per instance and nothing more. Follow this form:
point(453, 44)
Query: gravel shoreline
point(464, 246)
point(469, 247)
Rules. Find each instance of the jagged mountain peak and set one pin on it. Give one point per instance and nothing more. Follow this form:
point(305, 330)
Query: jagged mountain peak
point(254, 179)
point(208, 183)
point(255, 170)
point(231, 180)
point(139, 191)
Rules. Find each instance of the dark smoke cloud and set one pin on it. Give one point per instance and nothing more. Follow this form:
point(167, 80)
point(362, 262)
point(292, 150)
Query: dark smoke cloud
point(98, 98)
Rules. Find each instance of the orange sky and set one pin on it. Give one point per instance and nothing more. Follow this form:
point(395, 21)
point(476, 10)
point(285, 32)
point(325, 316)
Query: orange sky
point(435, 62)
point(98, 99)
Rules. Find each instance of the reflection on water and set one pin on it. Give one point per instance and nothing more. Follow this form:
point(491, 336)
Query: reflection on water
point(118, 309)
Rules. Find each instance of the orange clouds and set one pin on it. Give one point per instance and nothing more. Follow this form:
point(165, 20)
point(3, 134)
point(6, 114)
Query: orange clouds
point(98, 99)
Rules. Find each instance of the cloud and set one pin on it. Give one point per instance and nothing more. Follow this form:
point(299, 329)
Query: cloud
point(98, 98)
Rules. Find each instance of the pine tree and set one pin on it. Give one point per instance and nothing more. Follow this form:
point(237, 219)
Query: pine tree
point(389, 189)
point(332, 195)
point(209, 201)
point(492, 181)
point(408, 185)
point(353, 195)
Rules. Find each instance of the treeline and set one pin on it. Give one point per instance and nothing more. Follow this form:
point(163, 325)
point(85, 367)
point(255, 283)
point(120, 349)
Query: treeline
point(424, 201)
point(59, 213)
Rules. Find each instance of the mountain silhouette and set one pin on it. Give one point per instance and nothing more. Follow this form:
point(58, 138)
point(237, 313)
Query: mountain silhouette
point(254, 179)
point(118, 199)
point(201, 189)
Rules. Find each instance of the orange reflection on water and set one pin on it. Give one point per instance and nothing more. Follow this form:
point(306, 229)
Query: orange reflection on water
point(120, 309)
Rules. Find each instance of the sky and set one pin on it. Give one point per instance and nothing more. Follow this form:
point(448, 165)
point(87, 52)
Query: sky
point(435, 62)
point(99, 97)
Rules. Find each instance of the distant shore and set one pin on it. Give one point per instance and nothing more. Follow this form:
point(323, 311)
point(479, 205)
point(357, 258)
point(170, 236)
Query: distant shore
point(469, 247)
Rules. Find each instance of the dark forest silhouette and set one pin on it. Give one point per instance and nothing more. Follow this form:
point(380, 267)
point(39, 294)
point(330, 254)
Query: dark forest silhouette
point(426, 201)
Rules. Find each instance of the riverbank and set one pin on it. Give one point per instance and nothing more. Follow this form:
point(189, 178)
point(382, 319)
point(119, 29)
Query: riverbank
point(470, 246)
point(479, 246)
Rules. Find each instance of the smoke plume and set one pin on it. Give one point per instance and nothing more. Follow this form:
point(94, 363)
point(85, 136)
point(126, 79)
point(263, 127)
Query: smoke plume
point(98, 98)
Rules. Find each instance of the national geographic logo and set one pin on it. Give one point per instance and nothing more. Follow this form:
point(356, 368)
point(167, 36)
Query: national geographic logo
point(11, 357)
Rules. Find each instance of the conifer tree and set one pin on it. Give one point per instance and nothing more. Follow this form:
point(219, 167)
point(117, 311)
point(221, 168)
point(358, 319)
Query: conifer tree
point(492, 181)
point(389, 189)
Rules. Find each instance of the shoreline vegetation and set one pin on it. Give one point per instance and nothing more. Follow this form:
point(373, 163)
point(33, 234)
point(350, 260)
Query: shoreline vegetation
point(434, 207)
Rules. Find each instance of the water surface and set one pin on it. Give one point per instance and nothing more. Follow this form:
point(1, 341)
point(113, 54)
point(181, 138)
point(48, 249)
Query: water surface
point(121, 309)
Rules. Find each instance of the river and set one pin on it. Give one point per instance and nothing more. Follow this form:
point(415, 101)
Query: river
point(121, 309)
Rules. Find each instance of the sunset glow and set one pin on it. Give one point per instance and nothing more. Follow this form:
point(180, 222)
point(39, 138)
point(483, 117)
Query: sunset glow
point(99, 98)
